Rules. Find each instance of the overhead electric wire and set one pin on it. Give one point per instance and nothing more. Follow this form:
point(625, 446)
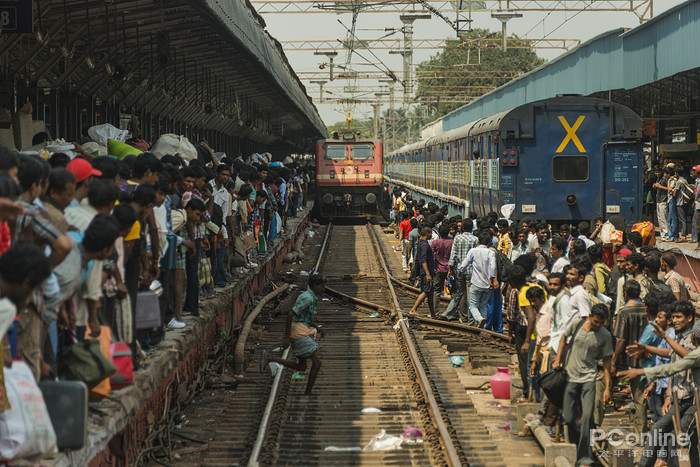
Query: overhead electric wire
point(387, 69)
point(563, 23)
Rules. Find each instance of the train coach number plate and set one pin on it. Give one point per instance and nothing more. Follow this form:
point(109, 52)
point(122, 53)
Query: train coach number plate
point(612, 209)
point(529, 208)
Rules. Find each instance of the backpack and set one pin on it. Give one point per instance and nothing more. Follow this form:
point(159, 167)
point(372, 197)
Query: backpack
point(217, 215)
point(602, 269)
point(687, 192)
point(503, 264)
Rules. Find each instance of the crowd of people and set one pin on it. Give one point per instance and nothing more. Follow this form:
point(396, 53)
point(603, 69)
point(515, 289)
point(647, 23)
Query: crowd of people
point(611, 315)
point(81, 239)
point(673, 197)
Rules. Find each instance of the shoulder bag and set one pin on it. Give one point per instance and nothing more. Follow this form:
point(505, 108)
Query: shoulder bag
point(553, 383)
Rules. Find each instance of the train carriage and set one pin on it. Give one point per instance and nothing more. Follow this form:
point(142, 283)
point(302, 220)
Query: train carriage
point(349, 176)
point(566, 158)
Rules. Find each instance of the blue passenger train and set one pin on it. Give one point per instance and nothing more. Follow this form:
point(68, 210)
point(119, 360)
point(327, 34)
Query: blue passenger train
point(566, 158)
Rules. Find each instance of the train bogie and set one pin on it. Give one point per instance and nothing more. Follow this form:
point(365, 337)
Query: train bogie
point(561, 159)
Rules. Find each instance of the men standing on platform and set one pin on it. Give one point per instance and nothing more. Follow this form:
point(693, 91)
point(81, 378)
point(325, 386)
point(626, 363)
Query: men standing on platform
point(662, 201)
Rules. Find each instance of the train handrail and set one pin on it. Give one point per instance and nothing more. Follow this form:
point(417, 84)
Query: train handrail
point(423, 380)
point(262, 429)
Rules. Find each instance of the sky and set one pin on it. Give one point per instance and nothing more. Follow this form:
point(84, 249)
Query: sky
point(322, 26)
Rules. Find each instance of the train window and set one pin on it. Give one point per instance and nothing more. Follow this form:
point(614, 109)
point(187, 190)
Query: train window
point(570, 168)
point(361, 153)
point(335, 152)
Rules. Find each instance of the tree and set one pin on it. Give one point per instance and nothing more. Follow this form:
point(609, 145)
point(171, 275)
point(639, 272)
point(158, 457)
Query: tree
point(438, 78)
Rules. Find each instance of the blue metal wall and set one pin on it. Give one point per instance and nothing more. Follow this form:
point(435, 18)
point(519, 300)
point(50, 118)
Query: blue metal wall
point(660, 48)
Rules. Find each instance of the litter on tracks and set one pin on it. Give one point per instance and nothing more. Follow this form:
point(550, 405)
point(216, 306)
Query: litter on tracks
point(456, 360)
point(384, 442)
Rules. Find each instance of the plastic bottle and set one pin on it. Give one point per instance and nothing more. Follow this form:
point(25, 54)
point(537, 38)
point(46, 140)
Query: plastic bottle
point(500, 383)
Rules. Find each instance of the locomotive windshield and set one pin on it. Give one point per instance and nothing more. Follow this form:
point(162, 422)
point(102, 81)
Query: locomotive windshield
point(361, 153)
point(335, 152)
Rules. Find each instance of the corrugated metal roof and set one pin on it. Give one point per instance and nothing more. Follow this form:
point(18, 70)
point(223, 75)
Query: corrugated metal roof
point(247, 26)
point(617, 59)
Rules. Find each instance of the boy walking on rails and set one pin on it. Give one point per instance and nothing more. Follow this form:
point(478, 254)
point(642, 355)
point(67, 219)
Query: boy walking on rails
point(300, 333)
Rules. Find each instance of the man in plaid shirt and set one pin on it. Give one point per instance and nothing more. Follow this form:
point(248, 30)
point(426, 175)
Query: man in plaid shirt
point(463, 242)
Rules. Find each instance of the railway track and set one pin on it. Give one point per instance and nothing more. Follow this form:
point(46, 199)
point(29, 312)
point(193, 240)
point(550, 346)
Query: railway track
point(371, 359)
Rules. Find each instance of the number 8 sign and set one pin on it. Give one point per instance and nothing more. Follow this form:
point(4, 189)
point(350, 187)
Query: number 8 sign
point(16, 16)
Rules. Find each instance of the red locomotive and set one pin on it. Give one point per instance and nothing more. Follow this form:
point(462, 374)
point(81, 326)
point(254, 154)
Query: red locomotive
point(348, 176)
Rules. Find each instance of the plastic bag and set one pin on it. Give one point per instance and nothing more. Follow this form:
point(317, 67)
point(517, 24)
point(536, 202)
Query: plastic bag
point(174, 144)
point(25, 429)
point(384, 442)
point(278, 224)
point(616, 237)
point(605, 232)
point(456, 360)
point(101, 133)
point(412, 432)
point(507, 210)
point(95, 149)
point(646, 230)
point(60, 145)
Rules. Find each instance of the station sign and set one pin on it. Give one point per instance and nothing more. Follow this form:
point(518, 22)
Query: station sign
point(16, 16)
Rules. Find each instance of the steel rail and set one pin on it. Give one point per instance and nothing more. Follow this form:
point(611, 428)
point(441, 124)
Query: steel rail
point(452, 456)
point(262, 429)
point(444, 324)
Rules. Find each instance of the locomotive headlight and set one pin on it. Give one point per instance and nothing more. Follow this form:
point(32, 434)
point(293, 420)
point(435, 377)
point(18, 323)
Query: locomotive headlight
point(366, 173)
point(328, 198)
point(570, 200)
point(332, 173)
point(371, 198)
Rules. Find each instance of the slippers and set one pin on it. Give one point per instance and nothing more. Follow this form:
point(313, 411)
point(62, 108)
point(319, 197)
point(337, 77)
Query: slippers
point(263, 361)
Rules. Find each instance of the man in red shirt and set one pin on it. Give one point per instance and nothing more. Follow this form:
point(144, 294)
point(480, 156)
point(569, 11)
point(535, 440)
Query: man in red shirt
point(406, 228)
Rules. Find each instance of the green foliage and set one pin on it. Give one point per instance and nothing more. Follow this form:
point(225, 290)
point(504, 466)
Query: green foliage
point(431, 79)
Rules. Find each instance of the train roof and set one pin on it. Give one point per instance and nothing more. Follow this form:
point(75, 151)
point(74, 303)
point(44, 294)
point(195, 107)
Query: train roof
point(494, 122)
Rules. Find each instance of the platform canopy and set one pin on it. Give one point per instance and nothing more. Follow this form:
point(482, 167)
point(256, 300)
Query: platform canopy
point(653, 69)
point(179, 64)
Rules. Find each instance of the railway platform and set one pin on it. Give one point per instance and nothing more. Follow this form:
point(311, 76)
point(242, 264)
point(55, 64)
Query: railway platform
point(120, 425)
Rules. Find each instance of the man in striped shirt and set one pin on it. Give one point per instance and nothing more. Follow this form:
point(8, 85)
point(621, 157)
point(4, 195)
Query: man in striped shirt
point(463, 242)
point(672, 278)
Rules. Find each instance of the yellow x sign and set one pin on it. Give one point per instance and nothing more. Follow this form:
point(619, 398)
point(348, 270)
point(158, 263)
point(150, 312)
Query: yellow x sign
point(571, 134)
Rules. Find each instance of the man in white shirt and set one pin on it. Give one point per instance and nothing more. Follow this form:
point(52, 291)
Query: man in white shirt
point(559, 304)
point(222, 198)
point(584, 229)
point(483, 262)
point(579, 300)
point(557, 252)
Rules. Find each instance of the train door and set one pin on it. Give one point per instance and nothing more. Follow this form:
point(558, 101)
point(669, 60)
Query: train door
point(623, 166)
